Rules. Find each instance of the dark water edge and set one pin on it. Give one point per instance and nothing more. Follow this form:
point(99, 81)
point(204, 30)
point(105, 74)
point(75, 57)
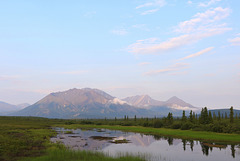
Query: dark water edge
point(151, 147)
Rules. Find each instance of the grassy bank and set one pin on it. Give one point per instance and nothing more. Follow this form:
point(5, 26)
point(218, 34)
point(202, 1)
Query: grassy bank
point(28, 139)
point(184, 134)
point(70, 155)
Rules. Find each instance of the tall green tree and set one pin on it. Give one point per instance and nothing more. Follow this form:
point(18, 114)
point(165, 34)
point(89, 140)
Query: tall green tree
point(191, 116)
point(184, 118)
point(231, 115)
point(170, 118)
point(210, 117)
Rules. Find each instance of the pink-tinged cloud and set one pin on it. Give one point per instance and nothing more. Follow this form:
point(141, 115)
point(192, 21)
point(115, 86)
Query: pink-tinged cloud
point(203, 25)
point(152, 6)
point(198, 53)
point(235, 41)
point(176, 67)
point(204, 21)
point(208, 3)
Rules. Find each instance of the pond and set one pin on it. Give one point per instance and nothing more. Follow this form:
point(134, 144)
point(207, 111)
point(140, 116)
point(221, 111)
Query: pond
point(151, 147)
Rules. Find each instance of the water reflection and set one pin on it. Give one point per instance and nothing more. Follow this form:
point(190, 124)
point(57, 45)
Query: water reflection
point(153, 146)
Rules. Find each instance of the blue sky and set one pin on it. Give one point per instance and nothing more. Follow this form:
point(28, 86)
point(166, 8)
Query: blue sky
point(163, 48)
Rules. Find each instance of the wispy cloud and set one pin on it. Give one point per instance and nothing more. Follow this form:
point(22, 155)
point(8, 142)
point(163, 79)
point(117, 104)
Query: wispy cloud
point(174, 68)
point(205, 21)
point(202, 25)
point(198, 53)
point(152, 6)
point(141, 27)
point(119, 32)
point(208, 3)
point(189, 2)
point(149, 11)
point(144, 63)
point(235, 41)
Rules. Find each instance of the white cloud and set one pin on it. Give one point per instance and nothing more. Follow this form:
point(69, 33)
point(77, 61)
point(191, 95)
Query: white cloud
point(208, 3)
point(204, 21)
point(203, 25)
point(141, 27)
point(149, 11)
point(174, 68)
point(235, 41)
point(144, 63)
point(189, 2)
point(152, 6)
point(198, 53)
point(155, 3)
point(119, 32)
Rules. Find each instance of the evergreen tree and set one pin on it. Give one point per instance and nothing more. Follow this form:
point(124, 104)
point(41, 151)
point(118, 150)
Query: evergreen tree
point(214, 116)
point(184, 118)
point(210, 117)
point(204, 118)
point(170, 118)
point(135, 118)
point(115, 119)
point(219, 116)
point(231, 115)
point(191, 116)
point(127, 118)
point(226, 115)
point(194, 116)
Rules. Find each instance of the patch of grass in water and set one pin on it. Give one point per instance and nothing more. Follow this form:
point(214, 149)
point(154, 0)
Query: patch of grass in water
point(68, 132)
point(101, 138)
point(123, 141)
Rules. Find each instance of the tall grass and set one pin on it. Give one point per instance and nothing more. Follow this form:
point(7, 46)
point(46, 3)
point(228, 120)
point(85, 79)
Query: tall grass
point(70, 155)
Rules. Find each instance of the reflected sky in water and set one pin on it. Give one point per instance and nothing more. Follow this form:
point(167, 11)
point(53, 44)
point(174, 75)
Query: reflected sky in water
point(152, 147)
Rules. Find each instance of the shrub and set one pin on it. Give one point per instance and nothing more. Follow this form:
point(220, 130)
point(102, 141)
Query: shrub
point(176, 125)
point(186, 126)
point(157, 123)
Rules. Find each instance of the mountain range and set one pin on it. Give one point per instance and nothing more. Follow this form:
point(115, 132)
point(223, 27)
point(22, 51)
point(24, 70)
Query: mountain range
point(94, 103)
point(6, 108)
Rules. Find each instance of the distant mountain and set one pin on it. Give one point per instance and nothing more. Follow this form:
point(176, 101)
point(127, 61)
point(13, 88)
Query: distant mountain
point(23, 105)
point(225, 111)
point(142, 101)
point(82, 103)
point(6, 108)
point(174, 104)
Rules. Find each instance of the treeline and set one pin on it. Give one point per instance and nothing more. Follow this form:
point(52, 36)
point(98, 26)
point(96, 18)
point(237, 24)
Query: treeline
point(205, 121)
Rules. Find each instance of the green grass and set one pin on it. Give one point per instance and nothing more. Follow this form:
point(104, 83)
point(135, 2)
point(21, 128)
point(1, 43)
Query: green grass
point(184, 134)
point(28, 139)
point(70, 155)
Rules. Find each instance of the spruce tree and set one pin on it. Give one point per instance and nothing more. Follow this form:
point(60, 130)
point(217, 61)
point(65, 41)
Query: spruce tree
point(231, 115)
point(191, 116)
point(184, 118)
point(210, 117)
point(219, 116)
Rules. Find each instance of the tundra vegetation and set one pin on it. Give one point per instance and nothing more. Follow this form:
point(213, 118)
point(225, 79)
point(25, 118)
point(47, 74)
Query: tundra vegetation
point(28, 138)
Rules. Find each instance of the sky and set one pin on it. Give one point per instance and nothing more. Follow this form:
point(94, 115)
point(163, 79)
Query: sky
point(163, 48)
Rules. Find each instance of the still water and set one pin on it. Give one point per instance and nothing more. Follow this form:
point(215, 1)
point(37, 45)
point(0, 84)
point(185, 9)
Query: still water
point(151, 147)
